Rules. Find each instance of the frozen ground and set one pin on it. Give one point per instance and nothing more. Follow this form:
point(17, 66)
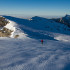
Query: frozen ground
point(27, 52)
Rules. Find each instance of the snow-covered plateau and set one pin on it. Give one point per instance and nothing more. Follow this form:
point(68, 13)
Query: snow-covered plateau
point(23, 50)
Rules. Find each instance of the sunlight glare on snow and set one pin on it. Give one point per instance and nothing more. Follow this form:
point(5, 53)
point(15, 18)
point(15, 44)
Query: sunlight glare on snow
point(11, 27)
point(61, 38)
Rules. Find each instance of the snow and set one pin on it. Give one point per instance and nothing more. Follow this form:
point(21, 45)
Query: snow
point(14, 28)
point(11, 26)
point(27, 53)
point(63, 38)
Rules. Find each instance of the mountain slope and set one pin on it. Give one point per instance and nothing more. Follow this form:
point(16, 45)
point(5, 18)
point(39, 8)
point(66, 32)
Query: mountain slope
point(4, 31)
point(27, 53)
point(64, 20)
point(41, 28)
point(40, 23)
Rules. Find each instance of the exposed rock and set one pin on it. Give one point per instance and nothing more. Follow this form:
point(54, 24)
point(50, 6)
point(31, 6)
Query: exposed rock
point(4, 32)
point(64, 20)
point(3, 21)
point(16, 36)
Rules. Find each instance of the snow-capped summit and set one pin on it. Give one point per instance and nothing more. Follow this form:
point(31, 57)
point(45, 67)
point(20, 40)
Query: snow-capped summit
point(67, 16)
point(64, 20)
point(40, 23)
point(39, 19)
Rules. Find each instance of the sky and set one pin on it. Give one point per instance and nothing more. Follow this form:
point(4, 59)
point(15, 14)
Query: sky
point(35, 7)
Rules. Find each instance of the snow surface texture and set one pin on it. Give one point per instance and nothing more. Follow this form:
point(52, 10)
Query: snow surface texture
point(27, 52)
point(11, 27)
point(14, 28)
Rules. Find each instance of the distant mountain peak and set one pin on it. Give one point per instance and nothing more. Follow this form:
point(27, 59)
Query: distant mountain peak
point(67, 15)
point(37, 17)
point(64, 20)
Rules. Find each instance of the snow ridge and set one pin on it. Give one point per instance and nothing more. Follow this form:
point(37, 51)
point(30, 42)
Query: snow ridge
point(27, 52)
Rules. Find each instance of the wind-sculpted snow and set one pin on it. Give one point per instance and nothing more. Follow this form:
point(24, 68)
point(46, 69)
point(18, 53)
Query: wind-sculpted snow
point(31, 32)
point(28, 53)
point(40, 23)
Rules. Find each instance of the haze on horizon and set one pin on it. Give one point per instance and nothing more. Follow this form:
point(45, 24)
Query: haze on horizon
point(35, 7)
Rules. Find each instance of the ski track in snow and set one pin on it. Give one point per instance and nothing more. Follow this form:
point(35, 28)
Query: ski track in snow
point(25, 53)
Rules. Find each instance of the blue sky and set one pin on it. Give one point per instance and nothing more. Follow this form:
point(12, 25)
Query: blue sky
point(35, 7)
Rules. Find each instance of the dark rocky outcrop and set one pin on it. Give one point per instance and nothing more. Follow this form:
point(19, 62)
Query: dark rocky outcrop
point(4, 32)
point(64, 20)
point(16, 36)
point(3, 22)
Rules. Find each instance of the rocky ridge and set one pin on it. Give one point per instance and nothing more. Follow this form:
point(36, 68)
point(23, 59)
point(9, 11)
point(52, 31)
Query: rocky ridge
point(4, 32)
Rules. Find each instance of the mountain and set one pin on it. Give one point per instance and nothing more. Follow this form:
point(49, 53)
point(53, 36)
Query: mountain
point(49, 25)
point(38, 27)
point(4, 30)
point(41, 23)
point(23, 49)
point(64, 20)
